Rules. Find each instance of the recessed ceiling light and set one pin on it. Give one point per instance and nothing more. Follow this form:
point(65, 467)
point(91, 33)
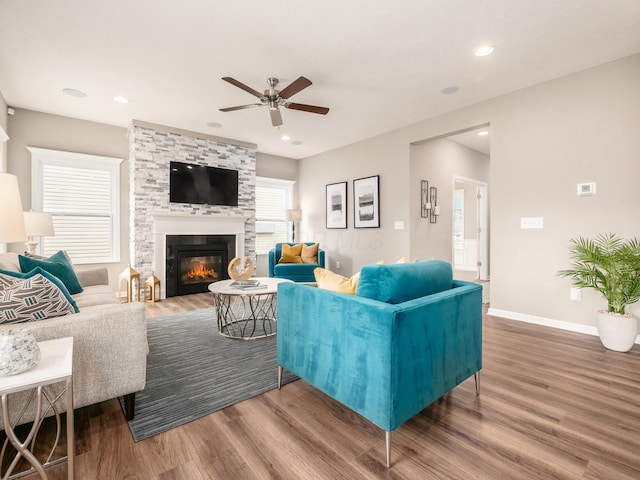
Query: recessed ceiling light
point(285, 138)
point(214, 125)
point(450, 90)
point(74, 93)
point(120, 99)
point(297, 142)
point(484, 51)
point(483, 133)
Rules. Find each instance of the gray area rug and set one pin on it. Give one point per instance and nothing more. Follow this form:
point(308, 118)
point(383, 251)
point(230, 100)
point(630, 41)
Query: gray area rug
point(193, 371)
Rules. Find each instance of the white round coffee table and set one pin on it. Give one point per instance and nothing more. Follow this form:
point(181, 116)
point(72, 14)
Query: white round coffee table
point(246, 312)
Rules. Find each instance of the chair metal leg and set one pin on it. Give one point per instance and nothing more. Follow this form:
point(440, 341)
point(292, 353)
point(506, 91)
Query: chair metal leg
point(388, 441)
point(279, 377)
point(476, 377)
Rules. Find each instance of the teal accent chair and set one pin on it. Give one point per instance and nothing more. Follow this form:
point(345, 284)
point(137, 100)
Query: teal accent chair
point(298, 272)
point(409, 335)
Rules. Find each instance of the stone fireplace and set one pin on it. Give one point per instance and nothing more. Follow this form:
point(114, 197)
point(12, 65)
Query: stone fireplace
point(153, 217)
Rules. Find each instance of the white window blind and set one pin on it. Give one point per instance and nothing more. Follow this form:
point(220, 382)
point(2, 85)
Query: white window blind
point(82, 194)
point(273, 198)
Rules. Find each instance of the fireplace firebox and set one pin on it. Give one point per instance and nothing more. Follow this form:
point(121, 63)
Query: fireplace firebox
point(195, 261)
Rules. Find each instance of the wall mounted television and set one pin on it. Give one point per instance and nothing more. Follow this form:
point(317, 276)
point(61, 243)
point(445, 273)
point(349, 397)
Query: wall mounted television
point(189, 183)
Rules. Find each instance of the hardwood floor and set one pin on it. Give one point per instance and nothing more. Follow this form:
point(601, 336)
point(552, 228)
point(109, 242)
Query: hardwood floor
point(553, 405)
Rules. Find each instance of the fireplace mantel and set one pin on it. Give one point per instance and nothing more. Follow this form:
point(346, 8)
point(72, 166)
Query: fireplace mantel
point(176, 224)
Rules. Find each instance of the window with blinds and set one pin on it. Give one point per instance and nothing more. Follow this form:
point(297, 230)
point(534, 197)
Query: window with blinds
point(273, 198)
point(82, 194)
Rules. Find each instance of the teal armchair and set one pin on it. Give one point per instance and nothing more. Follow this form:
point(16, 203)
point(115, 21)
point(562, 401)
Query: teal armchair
point(298, 272)
point(409, 335)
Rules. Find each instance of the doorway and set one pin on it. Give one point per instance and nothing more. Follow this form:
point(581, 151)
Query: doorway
point(470, 232)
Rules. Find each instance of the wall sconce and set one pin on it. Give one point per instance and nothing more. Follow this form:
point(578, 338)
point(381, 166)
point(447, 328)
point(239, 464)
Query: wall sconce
point(425, 203)
point(435, 208)
point(429, 207)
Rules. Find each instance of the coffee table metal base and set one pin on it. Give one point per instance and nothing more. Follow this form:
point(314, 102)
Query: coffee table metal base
point(246, 317)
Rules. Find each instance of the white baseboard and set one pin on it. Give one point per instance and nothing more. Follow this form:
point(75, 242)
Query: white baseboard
point(547, 322)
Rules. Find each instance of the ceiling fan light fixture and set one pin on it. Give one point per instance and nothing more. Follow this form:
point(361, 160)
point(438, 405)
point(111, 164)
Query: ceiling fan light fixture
point(285, 138)
point(120, 99)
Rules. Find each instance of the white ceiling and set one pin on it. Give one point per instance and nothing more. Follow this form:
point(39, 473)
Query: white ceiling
point(377, 64)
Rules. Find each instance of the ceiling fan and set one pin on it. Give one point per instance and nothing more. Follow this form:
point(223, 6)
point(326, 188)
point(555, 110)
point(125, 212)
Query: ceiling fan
point(274, 99)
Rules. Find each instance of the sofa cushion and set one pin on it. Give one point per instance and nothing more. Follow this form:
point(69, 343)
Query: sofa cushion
point(404, 281)
point(33, 298)
point(310, 253)
point(328, 280)
point(58, 265)
point(95, 295)
point(39, 271)
point(291, 253)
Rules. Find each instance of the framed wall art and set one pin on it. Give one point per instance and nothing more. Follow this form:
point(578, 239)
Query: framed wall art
point(336, 205)
point(366, 202)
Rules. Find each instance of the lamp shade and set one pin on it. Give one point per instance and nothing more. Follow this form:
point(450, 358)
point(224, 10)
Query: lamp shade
point(294, 215)
point(11, 218)
point(38, 223)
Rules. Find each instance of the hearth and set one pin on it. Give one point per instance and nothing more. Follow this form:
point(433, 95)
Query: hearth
point(195, 261)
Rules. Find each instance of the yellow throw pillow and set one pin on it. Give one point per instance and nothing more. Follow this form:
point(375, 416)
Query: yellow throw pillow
point(310, 253)
point(403, 260)
point(328, 280)
point(291, 253)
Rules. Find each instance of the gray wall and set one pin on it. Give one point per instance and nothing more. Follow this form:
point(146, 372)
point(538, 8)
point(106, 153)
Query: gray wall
point(28, 128)
point(438, 161)
point(272, 166)
point(544, 141)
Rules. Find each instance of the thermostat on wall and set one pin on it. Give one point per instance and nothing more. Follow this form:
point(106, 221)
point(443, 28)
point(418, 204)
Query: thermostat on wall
point(587, 188)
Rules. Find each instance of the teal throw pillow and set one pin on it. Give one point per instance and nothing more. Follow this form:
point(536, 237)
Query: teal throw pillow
point(57, 265)
point(38, 271)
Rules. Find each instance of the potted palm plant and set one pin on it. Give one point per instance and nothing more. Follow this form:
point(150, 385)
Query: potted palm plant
point(610, 266)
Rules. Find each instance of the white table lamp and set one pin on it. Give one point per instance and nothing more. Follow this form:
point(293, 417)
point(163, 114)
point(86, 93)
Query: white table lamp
point(37, 224)
point(11, 218)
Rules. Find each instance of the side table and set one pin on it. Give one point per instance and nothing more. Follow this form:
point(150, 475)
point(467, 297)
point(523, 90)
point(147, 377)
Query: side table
point(56, 365)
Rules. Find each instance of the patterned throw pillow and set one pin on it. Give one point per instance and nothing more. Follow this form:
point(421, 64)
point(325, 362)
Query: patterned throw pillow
point(29, 299)
point(8, 277)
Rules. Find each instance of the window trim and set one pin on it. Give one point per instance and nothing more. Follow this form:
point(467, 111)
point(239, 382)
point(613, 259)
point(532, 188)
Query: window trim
point(43, 156)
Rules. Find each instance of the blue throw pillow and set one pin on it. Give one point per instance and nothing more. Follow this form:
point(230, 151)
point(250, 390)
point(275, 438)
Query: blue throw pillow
point(52, 278)
point(57, 265)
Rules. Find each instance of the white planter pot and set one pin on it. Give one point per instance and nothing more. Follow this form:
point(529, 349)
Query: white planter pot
point(617, 332)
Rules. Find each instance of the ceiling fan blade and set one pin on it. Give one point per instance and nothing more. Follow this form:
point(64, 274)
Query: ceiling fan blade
point(241, 85)
point(241, 107)
point(295, 87)
point(276, 117)
point(307, 108)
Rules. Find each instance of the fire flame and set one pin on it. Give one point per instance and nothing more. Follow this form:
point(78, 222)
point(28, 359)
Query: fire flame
point(201, 272)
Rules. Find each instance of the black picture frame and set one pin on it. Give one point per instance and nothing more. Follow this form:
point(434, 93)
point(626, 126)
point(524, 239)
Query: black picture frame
point(366, 202)
point(336, 205)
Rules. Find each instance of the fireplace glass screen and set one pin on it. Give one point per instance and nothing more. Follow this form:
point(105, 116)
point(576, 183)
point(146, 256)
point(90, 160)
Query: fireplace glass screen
point(200, 269)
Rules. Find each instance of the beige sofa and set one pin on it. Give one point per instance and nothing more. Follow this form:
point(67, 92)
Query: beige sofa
point(109, 342)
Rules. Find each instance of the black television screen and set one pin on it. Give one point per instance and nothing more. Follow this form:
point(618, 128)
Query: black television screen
point(204, 185)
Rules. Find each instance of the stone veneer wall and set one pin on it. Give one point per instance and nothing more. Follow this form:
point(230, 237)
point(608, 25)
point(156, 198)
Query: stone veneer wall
point(151, 148)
